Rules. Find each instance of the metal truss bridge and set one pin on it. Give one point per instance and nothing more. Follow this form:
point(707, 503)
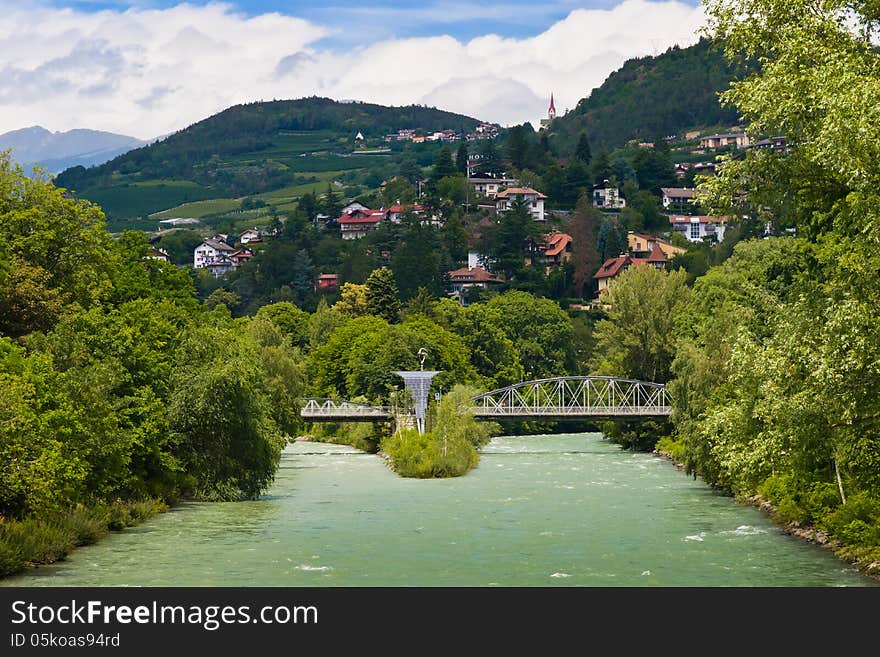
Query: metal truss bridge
point(568, 397)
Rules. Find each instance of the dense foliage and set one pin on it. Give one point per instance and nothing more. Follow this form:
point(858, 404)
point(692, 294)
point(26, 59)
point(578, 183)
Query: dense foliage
point(448, 447)
point(777, 384)
point(116, 385)
point(652, 96)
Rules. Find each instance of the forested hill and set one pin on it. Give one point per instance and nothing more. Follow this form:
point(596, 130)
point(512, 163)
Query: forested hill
point(651, 96)
point(247, 149)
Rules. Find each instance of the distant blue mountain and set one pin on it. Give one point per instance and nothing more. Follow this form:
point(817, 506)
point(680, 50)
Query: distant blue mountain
point(57, 151)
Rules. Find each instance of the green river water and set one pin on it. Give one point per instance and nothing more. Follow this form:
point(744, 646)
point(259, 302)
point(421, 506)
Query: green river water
point(560, 510)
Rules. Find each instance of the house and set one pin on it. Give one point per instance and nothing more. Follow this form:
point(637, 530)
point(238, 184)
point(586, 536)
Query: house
point(249, 235)
point(552, 251)
point(395, 212)
point(535, 200)
point(697, 227)
point(735, 139)
point(679, 197)
point(489, 187)
point(327, 282)
point(682, 169)
point(614, 267)
point(354, 224)
point(159, 254)
point(641, 245)
point(354, 205)
point(777, 144)
point(221, 265)
point(210, 250)
point(606, 195)
point(704, 168)
point(241, 256)
point(460, 280)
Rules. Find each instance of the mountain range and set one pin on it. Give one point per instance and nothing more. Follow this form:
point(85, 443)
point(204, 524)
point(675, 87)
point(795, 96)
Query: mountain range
point(57, 151)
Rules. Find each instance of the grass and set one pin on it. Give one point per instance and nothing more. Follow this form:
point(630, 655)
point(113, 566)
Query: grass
point(198, 209)
point(46, 539)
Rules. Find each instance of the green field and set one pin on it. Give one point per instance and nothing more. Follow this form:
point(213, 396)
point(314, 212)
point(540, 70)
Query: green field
point(199, 209)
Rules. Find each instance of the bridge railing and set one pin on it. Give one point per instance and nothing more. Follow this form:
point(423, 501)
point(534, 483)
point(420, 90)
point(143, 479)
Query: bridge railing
point(325, 408)
point(595, 396)
point(570, 396)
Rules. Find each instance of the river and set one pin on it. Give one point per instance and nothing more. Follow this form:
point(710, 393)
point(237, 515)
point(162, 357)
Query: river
point(560, 510)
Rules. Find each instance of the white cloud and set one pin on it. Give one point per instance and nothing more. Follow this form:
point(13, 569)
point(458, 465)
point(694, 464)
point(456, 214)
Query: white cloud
point(150, 72)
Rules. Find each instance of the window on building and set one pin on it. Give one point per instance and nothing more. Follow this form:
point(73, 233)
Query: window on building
point(695, 231)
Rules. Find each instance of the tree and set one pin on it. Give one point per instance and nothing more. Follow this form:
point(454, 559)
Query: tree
point(584, 230)
point(490, 163)
point(461, 158)
point(383, 299)
point(638, 340)
point(352, 300)
point(330, 204)
point(228, 442)
point(443, 165)
point(582, 151)
point(505, 241)
point(517, 146)
point(540, 331)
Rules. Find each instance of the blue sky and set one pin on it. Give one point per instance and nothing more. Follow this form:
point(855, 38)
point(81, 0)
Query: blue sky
point(150, 67)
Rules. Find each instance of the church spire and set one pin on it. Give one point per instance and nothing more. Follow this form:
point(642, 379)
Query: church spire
point(551, 113)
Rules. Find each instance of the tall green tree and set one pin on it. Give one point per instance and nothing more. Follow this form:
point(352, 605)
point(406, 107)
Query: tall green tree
point(383, 297)
point(639, 338)
point(461, 158)
point(443, 165)
point(582, 151)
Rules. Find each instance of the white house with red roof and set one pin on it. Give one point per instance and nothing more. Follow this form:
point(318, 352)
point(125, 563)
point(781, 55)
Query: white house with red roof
point(354, 224)
point(533, 198)
point(249, 235)
point(396, 211)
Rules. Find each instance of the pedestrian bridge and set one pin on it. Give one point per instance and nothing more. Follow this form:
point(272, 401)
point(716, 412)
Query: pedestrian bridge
point(567, 397)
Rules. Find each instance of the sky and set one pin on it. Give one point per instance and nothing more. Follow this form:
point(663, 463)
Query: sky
point(151, 67)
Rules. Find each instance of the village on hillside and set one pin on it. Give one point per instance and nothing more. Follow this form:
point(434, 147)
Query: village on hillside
point(485, 197)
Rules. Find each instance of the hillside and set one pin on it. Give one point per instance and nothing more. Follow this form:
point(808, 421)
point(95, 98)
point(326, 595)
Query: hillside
point(652, 96)
point(56, 151)
point(276, 150)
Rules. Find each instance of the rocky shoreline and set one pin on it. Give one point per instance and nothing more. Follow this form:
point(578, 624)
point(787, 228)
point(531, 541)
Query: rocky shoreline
point(870, 568)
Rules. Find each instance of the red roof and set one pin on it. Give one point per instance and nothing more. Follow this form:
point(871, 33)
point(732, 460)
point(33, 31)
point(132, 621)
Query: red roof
point(657, 254)
point(404, 208)
point(472, 275)
point(614, 266)
point(359, 216)
point(556, 243)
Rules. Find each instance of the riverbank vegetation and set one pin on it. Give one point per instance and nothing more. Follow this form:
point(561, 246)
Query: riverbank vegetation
point(776, 382)
point(119, 392)
point(449, 446)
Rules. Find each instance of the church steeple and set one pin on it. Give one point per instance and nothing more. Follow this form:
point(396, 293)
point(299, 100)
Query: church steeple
point(551, 113)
